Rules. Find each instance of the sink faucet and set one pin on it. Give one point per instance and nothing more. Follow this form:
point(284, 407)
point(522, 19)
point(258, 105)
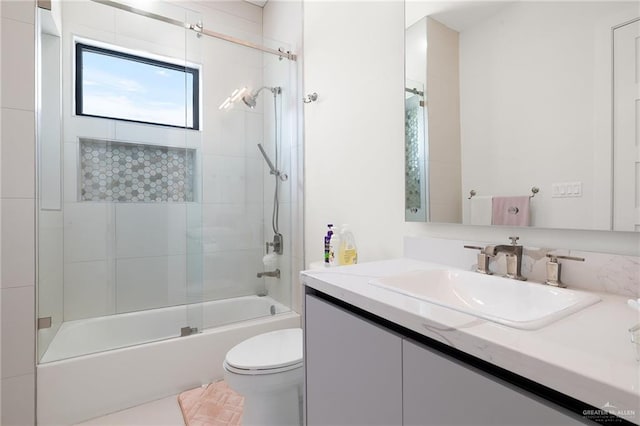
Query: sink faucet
point(275, 274)
point(514, 257)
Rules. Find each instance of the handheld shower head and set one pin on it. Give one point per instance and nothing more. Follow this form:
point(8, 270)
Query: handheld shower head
point(250, 99)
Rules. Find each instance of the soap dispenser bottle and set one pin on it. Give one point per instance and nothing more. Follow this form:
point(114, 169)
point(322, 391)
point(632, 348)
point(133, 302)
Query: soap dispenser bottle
point(334, 246)
point(348, 253)
point(327, 243)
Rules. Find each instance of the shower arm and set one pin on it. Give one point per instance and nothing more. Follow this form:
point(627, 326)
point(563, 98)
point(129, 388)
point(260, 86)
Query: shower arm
point(274, 90)
point(254, 95)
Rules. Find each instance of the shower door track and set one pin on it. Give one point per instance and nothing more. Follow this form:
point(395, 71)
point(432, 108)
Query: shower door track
point(198, 28)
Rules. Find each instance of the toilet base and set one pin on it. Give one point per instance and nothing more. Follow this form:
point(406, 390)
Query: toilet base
point(279, 408)
point(269, 399)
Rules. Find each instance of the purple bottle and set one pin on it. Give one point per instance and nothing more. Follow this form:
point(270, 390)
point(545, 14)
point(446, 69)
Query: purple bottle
point(327, 240)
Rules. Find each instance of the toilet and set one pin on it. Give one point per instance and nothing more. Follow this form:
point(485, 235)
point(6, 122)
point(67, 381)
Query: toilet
point(267, 370)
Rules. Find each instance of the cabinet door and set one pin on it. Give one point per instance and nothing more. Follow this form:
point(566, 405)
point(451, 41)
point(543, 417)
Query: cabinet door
point(439, 390)
point(353, 369)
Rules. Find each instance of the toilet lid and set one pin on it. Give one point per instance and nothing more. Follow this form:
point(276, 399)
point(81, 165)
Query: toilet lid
point(276, 349)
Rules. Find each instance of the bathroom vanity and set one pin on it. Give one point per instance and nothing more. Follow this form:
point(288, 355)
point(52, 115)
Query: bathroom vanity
point(375, 356)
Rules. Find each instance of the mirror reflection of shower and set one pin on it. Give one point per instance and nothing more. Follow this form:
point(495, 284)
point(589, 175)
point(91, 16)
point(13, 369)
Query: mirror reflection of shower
point(250, 99)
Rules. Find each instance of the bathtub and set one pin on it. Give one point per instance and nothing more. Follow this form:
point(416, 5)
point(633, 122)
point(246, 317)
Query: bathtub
point(101, 365)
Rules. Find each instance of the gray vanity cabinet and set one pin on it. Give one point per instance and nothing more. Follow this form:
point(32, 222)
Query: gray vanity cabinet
point(361, 373)
point(353, 368)
point(439, 390)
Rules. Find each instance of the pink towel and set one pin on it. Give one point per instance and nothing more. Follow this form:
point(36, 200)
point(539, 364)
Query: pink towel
point(512, 211)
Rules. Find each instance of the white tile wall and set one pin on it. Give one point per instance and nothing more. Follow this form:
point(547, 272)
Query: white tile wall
point(254, 127)
point(89, 14)
point(88, 231)
point(239, 15)
point(151, 282)
point(70, 170)
point(88, 127)
point(17, 331)
point(231, 227)
point(17, 279)
point(234, 180)
point(232, 273)
point(17, 156)
point(18, 64)
point(18, 10)
point(88, 289)
point(150, 229)
point(18, 242)
point(141, 28)
point(154, 135)
point(230, 126)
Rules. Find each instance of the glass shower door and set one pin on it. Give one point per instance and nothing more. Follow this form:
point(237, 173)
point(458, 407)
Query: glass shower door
point(119, 239)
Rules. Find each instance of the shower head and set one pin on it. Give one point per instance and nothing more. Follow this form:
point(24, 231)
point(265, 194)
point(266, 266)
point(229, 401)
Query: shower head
point(250, 99)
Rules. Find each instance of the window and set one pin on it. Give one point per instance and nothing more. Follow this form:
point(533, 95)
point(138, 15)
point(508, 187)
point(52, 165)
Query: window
point(122, 86)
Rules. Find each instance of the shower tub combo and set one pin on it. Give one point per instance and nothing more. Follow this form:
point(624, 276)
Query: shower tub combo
point(92, 381)
point(147, 210)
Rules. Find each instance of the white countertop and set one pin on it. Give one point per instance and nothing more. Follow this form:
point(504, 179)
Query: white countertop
point(587, 355)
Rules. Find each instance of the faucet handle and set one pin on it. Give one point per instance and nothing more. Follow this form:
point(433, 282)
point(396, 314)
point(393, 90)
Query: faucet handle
point(514, 240)
point(554, 268)
point(483, 260)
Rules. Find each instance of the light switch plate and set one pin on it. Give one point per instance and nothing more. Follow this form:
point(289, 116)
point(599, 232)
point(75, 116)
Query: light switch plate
point(566, 190)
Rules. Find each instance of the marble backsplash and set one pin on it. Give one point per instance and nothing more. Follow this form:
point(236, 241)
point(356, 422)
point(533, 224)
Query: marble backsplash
point(600, 272)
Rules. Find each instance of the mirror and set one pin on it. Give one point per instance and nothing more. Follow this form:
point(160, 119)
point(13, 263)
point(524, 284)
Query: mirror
point(523, 113)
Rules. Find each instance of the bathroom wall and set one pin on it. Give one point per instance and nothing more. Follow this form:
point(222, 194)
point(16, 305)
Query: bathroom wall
point(17, 266)
point(354, 150)
point(122, 257)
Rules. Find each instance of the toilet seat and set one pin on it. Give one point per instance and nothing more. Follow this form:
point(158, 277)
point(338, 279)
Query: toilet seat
point(267, 353)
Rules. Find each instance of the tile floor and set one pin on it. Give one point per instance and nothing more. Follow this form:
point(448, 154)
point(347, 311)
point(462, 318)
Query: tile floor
point(163, 412)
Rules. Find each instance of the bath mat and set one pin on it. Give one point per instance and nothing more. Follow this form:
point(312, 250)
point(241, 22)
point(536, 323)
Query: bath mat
point(213, 405)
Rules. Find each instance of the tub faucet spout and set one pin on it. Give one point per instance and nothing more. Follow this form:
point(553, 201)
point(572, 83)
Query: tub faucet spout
point(275, 274)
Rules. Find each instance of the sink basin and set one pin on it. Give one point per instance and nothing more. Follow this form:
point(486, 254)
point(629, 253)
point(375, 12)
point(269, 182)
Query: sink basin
point(518, 304)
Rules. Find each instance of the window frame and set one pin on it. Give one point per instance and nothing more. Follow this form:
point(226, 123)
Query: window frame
point(82, 46)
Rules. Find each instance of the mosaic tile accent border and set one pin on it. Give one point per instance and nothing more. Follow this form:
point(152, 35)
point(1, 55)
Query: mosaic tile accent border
point(124, 172)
